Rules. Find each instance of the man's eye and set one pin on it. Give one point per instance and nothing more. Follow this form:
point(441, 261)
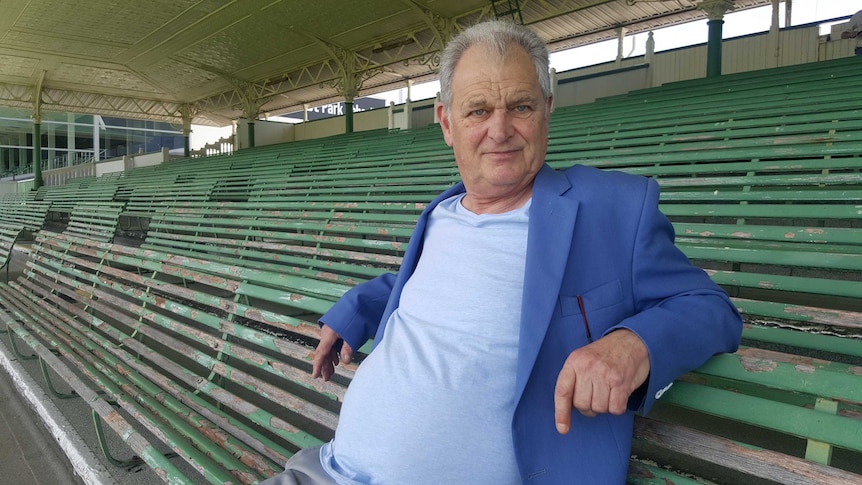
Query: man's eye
point(478, 112)
point(522, 108)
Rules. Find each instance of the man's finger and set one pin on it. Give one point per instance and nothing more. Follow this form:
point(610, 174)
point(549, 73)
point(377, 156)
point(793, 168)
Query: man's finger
point(600, 402)
point(563, 394)
point(325, 357)
point(346, 353)
point(618, 402)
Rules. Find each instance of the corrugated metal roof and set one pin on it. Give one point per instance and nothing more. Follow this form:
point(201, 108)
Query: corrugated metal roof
point(104, 56)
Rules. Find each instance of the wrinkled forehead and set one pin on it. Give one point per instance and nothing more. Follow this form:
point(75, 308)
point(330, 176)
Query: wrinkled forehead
point(495, 49)
point(484, 63)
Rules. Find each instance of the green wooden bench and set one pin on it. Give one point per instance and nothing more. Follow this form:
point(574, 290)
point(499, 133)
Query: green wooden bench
point(200, 351)
point(9, 234)
point(154, 196)
point(64, 197)
point(19, 218)
point(266, 269)
point(95, 220)
point(290, 260)
point(173, 342)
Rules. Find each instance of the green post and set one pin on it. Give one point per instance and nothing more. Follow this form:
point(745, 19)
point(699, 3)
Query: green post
point(348, 116)
point(187, 147)
point(250, 134)
point(37, 155)
point(713, 48)
point(817, 451)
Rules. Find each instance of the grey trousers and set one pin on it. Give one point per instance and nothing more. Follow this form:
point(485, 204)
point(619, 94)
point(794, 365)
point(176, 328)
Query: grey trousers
point(303, 468)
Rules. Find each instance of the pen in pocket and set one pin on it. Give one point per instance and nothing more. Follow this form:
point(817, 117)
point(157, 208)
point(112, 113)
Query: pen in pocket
point(584, 314)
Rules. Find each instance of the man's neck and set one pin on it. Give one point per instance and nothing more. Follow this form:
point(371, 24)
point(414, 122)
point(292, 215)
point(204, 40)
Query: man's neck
point(496, 205)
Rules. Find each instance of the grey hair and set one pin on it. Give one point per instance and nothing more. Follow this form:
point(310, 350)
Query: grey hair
point(498, 36)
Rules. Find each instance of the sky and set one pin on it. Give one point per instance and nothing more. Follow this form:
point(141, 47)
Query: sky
point(735, 25)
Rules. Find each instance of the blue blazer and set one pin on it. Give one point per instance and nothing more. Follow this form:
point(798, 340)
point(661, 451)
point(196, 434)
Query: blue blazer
point(598, 234)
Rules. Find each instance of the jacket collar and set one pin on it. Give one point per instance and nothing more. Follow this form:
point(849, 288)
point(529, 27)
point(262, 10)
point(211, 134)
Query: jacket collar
point(552, 222)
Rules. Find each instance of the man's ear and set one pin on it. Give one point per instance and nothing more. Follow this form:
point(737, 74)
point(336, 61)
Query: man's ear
point(549, 107)
point(443, 116)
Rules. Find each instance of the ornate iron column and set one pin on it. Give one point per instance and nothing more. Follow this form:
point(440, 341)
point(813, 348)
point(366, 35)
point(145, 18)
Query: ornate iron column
point(715, 9)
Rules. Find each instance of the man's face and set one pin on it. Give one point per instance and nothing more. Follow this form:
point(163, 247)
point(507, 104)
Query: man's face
point(497, 124)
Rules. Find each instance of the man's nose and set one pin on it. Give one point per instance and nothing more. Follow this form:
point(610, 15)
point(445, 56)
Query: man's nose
point(500, 125)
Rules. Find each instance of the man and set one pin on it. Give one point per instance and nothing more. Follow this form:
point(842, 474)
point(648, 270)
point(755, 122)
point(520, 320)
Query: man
point(853, 29)
point(535, 311)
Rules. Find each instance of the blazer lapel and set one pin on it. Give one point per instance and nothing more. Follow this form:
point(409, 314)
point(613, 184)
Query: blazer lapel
point(552, 222)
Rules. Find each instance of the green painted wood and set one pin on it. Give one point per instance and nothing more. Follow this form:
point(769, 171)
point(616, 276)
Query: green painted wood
point(805, 423)
point(817, 451)
point(817, 286)
point(787, 372)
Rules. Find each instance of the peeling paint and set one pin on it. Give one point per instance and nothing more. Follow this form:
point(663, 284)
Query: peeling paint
point(752, 364)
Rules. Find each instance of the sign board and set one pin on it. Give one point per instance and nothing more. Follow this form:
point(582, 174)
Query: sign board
point(337, 109)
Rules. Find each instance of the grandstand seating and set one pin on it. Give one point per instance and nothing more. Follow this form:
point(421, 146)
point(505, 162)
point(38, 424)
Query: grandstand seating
point(203, 333)
point(95, 220)
point(19, 215)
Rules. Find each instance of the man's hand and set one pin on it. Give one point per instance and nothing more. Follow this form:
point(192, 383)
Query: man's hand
point(600, 377)
point(326, 355)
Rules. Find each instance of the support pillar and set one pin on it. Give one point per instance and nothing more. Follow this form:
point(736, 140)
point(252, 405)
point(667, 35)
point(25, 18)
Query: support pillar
point(252, 100)
point(715, 9)
point(788, 16)
point(187, 113)
point(713, 48)
point(37, 152)
point(52, 146)
point(97, 120)
point(553, 88)
point(621, 39)
point(774, 36)
point(408, 105)
point(37, 131)
point(649, 58)
point(348, 115)
point(23, 155)
point(71, 153)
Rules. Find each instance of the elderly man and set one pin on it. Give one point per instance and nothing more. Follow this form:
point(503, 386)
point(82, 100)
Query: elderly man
point(535, 310)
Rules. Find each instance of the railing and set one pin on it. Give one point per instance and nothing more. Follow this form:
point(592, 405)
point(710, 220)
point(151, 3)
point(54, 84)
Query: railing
point(74, 158)
point(224, 146)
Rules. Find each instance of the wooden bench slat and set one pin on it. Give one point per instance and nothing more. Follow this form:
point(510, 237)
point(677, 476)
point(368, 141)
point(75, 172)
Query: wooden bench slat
point(786, 418)
point(765, 464)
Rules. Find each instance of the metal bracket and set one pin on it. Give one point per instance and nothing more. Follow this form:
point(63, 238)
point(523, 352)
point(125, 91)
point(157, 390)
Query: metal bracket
point(511, 8)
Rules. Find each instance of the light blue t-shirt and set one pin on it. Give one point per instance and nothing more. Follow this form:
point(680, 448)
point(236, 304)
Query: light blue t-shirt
point(434, 402)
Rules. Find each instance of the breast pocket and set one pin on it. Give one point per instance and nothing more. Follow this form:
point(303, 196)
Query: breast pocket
point(603, 306)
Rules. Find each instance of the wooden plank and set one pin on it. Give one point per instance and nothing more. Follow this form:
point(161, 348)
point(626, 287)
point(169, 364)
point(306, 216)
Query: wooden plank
point(766, 464)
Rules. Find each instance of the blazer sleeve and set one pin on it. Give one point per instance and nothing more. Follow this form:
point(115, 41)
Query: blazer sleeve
point(681, 315)
point(357, 314)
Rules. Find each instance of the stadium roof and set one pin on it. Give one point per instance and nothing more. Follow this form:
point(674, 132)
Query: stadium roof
point(217, 59)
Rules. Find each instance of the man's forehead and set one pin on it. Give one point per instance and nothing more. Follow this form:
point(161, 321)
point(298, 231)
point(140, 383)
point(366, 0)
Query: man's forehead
point(493, 93)
point(479, 62)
